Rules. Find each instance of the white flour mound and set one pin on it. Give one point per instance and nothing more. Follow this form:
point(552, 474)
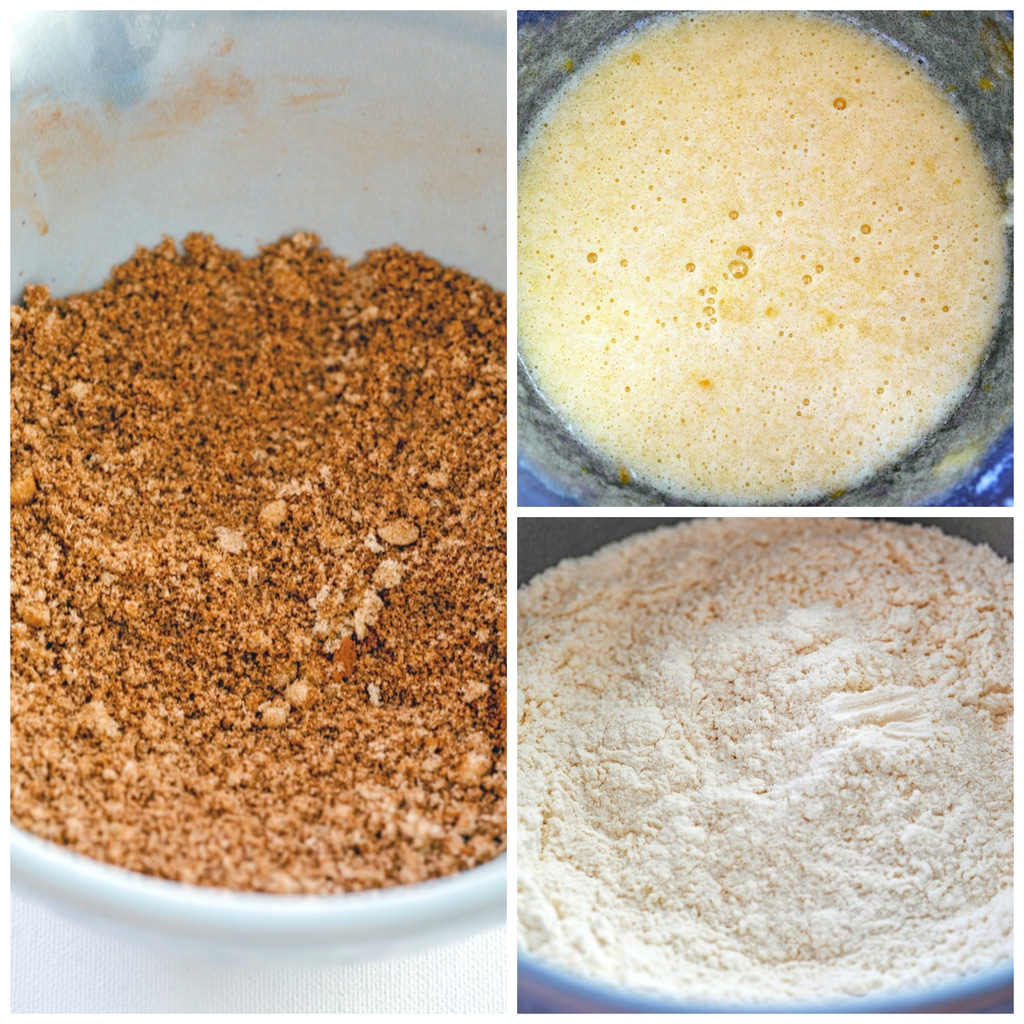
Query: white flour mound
point(769, 759)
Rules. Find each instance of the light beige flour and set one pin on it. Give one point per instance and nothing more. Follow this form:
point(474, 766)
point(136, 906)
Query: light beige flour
point(768, 759)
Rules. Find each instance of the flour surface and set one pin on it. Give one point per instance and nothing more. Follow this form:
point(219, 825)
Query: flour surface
point(768, 759)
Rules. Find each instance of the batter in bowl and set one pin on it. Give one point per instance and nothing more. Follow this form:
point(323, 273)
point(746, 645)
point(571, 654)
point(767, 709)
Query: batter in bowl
point(760, 257)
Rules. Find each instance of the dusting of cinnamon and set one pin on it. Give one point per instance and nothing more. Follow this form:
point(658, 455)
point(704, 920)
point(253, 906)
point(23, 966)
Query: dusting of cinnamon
point(258, 568)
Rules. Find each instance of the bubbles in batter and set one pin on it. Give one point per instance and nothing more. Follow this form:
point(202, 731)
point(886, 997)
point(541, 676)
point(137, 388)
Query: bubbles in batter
point(908, 293)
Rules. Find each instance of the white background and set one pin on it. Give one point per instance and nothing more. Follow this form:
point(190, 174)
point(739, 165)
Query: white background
point(59, 966)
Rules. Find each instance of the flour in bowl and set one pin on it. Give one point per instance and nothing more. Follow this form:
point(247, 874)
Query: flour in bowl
point(768, 760)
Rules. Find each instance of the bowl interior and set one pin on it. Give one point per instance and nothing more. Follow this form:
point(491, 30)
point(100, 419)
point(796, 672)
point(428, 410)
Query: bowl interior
point(368, 129)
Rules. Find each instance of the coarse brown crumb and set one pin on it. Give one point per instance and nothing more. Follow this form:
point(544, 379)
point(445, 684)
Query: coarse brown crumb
point(258, 568)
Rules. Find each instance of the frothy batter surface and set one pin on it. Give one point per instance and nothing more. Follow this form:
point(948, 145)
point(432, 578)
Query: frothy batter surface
point(760, 257)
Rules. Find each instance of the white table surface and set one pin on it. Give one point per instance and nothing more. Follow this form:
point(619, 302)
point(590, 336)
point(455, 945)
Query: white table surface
point(59, 966)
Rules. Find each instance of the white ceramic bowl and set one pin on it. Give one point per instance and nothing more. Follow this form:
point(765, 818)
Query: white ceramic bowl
point(365, 128)
point(257, 928)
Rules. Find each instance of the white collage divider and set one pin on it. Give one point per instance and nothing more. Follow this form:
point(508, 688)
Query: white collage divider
point(453, 211)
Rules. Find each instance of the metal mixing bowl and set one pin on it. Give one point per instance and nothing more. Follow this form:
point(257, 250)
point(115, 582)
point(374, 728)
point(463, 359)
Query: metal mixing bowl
point(546, 988)
point(967, 461)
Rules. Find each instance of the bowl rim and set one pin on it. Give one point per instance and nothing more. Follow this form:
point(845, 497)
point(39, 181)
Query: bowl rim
point(973, 992)
point(73, 879)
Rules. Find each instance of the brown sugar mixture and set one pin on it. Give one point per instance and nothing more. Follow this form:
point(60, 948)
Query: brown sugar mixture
point(258, 568)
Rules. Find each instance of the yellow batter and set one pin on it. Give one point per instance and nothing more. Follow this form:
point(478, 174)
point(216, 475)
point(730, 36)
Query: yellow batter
point(760, 257)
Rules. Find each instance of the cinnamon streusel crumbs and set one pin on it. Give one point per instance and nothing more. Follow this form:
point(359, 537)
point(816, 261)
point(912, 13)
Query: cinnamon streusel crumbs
point(258, 568)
